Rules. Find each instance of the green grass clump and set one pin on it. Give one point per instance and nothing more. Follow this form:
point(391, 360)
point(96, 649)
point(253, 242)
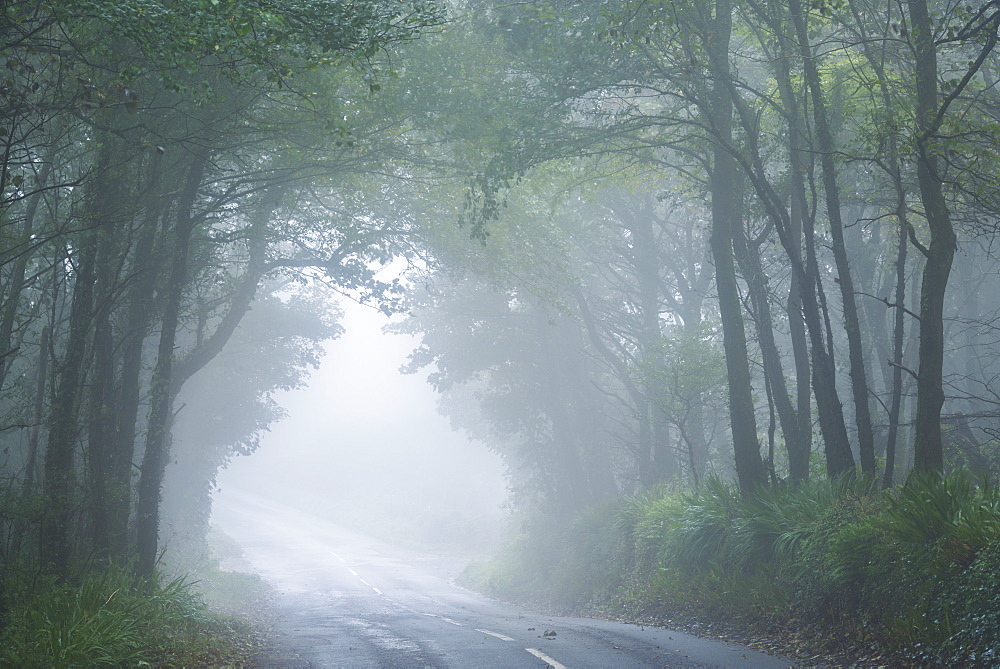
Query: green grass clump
point(912, 573)
point(109, 620)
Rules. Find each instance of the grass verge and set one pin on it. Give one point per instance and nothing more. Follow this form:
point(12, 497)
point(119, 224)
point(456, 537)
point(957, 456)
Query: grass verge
point(108, 620)
point(215, 618)
point(910, 576)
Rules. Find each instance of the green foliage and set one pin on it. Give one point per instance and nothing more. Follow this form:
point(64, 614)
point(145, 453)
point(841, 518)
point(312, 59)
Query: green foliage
point(914, 573)
point(975, 612)
point(578, 566)
point(689, 371)
point(642, 522)
point(948, 513)
point(110, 620)
point(703, 529)
point(843, 556)
point(265, 33)
point(782, 522)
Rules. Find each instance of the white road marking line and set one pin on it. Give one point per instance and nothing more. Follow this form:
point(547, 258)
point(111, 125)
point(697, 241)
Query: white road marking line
point(363, 581)
point(338, 557)
point(545, 658)
point(447, 620)
point(497, 635)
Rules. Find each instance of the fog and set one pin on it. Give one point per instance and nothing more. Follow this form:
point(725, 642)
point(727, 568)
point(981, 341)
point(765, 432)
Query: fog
point(666, 264)
point(364, 445)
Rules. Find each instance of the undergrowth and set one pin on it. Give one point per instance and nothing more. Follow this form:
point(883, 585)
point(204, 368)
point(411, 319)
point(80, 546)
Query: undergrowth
point(908, 575)
point(110, 620)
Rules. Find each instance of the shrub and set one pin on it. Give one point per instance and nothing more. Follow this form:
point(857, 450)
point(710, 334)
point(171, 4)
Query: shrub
point(974, 603)
point(657, 525)
point(704, 526)
point(948, 515)
point(109, 620)
point(95, 623)
point(914, 571)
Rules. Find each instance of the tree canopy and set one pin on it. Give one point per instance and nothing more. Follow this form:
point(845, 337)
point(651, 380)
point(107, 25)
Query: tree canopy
point(648, 241)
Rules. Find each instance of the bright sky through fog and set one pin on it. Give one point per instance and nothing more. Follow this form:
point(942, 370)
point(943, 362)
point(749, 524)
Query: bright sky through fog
point(363, 437)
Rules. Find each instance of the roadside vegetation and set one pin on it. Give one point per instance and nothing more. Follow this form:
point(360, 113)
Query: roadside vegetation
point(209, 616)
point(829, 568)
point(646, 242)
point(111, 222)
point(108, 620)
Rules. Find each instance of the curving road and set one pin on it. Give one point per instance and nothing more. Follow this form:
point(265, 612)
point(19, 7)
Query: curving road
point(345, 600)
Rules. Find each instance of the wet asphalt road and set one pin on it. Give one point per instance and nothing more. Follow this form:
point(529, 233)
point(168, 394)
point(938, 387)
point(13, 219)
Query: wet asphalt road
point(345, 600)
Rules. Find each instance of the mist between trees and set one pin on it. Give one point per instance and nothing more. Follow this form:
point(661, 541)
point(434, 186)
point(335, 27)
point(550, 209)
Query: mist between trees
point(649, 241)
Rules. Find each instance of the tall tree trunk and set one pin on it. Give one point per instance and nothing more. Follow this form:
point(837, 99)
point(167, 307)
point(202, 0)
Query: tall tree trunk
point(114, 240)
point(797, 212)
point(65, 422)
point(898, 332)
point(891, 164)
point(122, 448)
point(859, 381)
point(41, 381)
point(698, 275)
point(569, 478)
point(805, 266)
point(647, 266)
point(31, 462)
point(939, 254)
point(638, 220)
point(640, 400)
point(63, 431)
point(798, 466)
point(748, 257)
point(100, 427)
point(15, 283)
point(160, 412)
point(726, 216)
point(940, 251)
point(839, 459)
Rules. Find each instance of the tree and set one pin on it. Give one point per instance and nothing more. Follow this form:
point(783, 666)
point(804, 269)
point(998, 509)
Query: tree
point(146, 138)
point(940, 250)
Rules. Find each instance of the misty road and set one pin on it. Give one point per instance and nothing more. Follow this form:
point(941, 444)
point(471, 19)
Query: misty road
point(348, 600)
